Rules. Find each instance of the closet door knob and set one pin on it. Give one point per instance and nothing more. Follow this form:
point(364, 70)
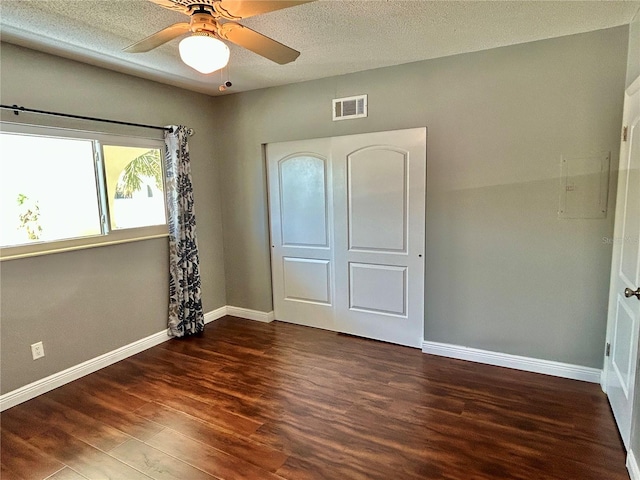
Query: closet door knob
point(630, 293)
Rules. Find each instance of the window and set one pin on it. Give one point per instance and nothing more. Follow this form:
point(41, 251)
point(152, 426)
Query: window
point(64, 189)
point(134, 181)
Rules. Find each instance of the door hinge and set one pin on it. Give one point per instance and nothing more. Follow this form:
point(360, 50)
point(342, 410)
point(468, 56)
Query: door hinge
point(625, 130)
point(607, 350)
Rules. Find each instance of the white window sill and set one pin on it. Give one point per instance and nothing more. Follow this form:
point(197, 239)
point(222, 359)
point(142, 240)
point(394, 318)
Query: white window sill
point(115, 238)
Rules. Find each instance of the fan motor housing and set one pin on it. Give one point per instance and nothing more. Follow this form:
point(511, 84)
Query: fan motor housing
point(202, 22)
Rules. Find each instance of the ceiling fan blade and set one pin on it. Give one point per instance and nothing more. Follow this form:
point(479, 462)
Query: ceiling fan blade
point(169, 5)
point(238, 9)
point(257, 43)
point(158, 38)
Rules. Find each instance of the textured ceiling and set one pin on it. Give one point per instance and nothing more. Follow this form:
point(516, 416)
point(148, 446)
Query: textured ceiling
point(334, 37)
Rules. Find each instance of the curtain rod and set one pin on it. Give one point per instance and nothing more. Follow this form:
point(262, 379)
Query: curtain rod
point(17, 109)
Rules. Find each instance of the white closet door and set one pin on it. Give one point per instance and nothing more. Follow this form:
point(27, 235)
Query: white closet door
point(348, 233)
point(379, 220)
point(300, 203)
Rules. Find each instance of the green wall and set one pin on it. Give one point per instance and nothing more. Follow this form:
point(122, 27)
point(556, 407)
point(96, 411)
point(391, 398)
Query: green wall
point(503, 273)
point(85, 303)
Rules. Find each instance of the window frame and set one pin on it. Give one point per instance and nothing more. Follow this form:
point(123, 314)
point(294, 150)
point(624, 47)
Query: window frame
point(108, 236)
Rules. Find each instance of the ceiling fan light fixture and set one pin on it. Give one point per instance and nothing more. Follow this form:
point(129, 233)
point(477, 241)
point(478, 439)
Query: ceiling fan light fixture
point(204, 53)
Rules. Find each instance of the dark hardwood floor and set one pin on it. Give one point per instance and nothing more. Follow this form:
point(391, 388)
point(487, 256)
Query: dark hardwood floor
point(275, 401)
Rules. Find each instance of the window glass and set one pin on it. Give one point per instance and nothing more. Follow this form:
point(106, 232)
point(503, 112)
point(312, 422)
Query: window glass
point(134, 186)
point(47, 189)
point(63, 189)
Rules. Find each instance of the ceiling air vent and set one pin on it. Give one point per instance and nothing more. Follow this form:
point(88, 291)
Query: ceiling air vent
point(350, 107)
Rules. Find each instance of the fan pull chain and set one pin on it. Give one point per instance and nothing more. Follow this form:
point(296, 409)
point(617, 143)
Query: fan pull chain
point(224, 85)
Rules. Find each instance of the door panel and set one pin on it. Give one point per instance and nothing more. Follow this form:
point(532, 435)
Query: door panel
point(300, 203)
point(379, 217)
point(307, 280)
point(377, 195)
point(303, 201)
point(378, 288)
point(631, 226)
point(621, 351)
point(624, 312)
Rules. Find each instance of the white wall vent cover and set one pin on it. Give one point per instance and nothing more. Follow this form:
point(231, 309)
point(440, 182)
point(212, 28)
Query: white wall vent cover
point(349, 107)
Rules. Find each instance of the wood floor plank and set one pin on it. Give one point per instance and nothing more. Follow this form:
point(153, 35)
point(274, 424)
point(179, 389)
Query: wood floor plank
point(339, 465)
point(22, 460)
point(211, 407)
point(222, 349)
point(21, 422)
point(260, 455)
point(562, 456)
point(239, 424)
point(190, 359)
point(156, 464)
point(7, 474)
point(78, 424)
point(249, 400)
point(107, 412)
point(124, 375)
point(66, 474)
point(482, 447)
point(84, 458)
point(100, 391)
point(209, 459)
point(199, 350)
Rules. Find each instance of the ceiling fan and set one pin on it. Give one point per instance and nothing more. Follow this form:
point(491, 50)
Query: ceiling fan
point(213, 21)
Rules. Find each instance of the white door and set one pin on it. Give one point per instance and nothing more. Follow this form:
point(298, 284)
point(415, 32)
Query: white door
point(379, 201)
point(300, 210)
point(624, 296)
point(348, 233)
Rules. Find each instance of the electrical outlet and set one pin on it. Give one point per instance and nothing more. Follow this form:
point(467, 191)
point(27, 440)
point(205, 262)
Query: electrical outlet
point(37, 350)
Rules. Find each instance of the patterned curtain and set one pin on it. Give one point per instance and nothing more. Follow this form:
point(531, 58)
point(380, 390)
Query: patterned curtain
point(185, 303)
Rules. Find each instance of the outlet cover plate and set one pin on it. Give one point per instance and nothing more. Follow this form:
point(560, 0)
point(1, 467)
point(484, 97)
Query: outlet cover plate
point(37, 350)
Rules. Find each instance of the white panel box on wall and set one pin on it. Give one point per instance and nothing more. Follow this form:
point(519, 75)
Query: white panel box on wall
point(584, 186)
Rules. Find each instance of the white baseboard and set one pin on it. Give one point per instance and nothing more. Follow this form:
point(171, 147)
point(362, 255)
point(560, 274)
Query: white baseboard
point(265, 317)
point(557, 369)
point(632, 466)
point(56, 380)
point(603, 380)
point(215, 314)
